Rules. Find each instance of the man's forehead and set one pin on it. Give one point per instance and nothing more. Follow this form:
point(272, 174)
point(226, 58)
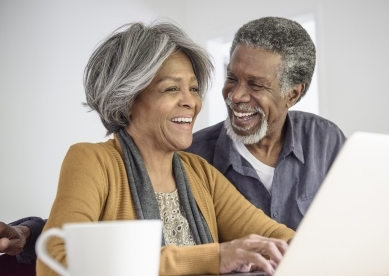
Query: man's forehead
point(254, 66)
point(251, 75)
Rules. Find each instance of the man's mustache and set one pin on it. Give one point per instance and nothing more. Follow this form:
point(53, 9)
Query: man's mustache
point(244, 107)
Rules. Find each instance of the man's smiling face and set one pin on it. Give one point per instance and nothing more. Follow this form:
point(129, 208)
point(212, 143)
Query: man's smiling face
point(256, 107)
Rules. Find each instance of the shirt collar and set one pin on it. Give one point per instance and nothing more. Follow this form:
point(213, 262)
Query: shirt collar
point(226, 154)
point(292, 142)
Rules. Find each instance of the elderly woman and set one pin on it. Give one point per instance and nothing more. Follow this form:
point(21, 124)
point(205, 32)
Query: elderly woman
point(147, 85)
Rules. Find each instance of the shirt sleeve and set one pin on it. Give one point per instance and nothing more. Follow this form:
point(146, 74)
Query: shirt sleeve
point(36, 224)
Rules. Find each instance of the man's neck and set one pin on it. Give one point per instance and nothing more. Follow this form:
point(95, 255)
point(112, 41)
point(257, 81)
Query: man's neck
point(268, 149)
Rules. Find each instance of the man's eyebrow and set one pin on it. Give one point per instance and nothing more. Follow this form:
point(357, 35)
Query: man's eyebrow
point(261, 79)
point(253, 77)
point(177, 79)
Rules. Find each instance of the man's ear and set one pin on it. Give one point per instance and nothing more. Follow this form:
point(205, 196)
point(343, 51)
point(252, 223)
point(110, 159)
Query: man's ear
point(295, 94)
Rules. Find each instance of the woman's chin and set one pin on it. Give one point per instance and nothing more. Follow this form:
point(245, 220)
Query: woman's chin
point(184, 144)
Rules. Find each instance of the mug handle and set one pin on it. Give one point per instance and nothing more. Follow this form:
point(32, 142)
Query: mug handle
point(43, 254)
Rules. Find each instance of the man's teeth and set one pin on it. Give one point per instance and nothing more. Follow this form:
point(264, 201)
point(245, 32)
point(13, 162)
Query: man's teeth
point(182, 120)
point(239, 114)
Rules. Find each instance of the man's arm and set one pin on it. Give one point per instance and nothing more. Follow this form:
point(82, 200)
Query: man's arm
point(19, 238)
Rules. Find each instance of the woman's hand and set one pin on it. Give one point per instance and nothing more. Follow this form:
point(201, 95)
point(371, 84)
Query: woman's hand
point(13, 238)
point(251, 253)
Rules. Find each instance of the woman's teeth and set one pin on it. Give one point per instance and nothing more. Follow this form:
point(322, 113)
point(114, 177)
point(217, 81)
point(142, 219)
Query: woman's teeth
point(182, 120)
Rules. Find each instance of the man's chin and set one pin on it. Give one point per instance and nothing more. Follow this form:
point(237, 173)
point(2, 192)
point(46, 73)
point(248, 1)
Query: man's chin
point(237, 135)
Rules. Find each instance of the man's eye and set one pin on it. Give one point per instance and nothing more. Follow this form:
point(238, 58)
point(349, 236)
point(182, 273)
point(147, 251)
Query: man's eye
point(230, 79)
point(257, 87)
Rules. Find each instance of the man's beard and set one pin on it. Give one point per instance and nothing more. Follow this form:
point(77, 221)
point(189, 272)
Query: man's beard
point(248, 139)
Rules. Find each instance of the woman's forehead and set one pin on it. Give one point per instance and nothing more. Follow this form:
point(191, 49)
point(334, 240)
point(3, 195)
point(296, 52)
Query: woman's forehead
point(177, 65)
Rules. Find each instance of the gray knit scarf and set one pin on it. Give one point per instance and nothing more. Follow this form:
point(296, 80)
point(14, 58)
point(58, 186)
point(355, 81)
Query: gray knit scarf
point(143, 195)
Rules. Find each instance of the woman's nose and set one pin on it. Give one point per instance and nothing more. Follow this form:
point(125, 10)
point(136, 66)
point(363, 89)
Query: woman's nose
point(188, 99)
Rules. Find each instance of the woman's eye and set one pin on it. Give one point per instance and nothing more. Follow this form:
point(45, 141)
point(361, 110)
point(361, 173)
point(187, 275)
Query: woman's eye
point(172, 89)
point(195, 89)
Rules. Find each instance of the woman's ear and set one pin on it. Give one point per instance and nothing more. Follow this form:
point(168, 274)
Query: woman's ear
point(295, 94)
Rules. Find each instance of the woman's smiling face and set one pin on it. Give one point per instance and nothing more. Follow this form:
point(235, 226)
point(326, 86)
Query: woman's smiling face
point(163, 114)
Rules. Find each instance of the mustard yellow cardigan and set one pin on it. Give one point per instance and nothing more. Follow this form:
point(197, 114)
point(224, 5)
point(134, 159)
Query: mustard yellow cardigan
point(93, 186)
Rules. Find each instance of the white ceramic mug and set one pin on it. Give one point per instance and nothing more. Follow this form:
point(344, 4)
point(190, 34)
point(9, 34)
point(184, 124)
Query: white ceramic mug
point(106, 248)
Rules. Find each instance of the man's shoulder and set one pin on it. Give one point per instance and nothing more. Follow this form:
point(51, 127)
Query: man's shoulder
point(313, 131)
point(302, 116)
point(303, 121)
point(208, 133)
point(205, 141)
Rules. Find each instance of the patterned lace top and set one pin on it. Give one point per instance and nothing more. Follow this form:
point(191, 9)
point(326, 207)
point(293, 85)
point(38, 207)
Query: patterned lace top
point(175, 225)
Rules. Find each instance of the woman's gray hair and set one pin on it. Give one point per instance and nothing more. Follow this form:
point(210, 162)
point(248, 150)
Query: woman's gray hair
point(125, 63)
point(287, 38)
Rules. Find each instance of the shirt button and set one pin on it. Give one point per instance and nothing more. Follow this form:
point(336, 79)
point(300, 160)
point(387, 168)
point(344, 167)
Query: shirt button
point(275, 215)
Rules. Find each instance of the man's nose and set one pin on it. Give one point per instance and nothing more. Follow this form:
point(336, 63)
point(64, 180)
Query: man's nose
point(239, 94)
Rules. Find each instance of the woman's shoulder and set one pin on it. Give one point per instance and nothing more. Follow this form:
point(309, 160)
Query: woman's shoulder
point(98, 146)
point(103, 160)
point(107, 150)
point(192, 159)
point(199, 166)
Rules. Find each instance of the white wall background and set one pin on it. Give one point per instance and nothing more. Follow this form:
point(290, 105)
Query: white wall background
point(44, 46)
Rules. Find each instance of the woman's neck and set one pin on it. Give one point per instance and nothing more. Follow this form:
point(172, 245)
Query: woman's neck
point(159, 165)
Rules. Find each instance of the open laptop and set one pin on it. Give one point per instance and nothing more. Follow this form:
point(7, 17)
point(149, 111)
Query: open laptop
point(346, 229)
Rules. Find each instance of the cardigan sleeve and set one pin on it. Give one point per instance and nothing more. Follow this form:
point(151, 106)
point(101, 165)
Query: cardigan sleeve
point(80, 198)
point(235, 216)
point(189, 260)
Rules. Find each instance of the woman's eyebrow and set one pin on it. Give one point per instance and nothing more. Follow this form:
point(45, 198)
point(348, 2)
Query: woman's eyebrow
point(177, 79)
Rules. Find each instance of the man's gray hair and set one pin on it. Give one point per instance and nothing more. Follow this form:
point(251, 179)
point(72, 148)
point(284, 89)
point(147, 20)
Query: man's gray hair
point(287, 38)
point(125, 63)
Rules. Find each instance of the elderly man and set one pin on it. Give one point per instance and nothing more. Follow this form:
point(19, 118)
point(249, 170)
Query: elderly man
point(275, 157)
